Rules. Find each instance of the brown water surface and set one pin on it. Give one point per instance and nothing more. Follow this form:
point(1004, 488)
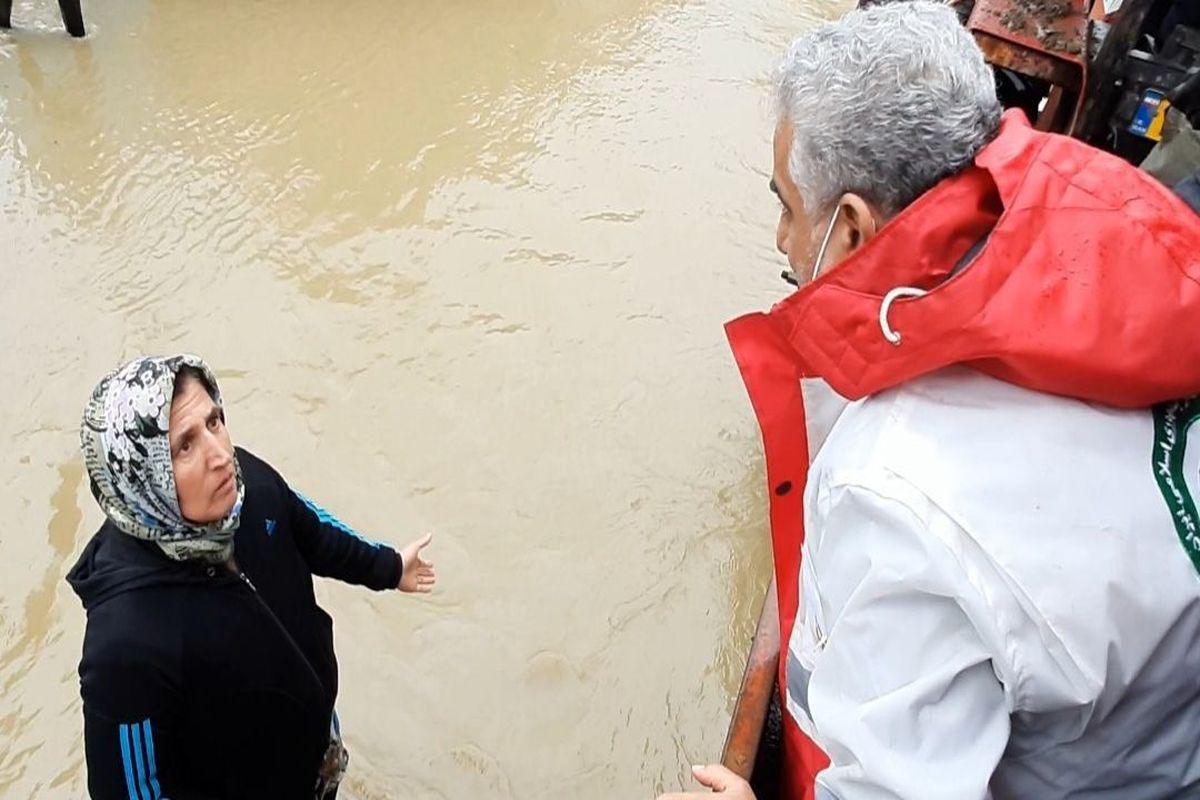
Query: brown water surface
point(462, 267)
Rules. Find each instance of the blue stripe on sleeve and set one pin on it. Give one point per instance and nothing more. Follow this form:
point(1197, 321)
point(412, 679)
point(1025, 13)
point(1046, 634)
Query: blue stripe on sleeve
point(332, 521)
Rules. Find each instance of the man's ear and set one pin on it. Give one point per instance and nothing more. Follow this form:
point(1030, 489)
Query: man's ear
point(857, 224)
point(860, 220)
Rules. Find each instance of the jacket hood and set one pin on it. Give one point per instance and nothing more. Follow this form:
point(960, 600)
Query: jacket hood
point(113, 563)
point(1086, 282)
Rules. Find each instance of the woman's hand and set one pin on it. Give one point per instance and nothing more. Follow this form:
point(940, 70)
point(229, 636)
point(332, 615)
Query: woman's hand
point(417, 574)
point(720, 780)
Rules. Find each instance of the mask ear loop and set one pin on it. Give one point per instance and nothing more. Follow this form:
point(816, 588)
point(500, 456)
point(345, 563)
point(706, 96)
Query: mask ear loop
point(791, 277)
point(816, 270)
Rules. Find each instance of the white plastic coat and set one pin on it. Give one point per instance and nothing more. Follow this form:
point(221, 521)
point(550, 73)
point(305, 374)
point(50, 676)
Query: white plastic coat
point(996, 601)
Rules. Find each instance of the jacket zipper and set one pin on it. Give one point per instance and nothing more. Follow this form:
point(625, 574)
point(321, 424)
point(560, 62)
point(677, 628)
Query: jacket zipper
point(249, 583)
point(288, 636)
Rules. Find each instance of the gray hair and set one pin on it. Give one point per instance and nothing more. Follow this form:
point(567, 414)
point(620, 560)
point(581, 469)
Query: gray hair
point(885, 102)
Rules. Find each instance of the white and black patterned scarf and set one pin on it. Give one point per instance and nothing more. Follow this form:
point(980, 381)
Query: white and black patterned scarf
point(128, 457)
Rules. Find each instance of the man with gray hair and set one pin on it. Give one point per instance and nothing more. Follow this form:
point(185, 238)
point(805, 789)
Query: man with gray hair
point(989, 574)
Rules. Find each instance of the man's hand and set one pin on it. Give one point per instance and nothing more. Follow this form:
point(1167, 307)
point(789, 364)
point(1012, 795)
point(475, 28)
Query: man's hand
point(418, 575)
point(720, 780)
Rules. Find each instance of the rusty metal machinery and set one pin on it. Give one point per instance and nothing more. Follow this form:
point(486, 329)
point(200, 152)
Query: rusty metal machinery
point(1042, 40)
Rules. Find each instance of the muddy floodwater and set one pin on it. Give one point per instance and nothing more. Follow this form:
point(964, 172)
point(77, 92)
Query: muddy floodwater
point(461, 267)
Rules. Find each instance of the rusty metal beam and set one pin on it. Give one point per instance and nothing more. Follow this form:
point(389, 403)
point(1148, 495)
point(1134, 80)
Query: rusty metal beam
point(1042, 39)
point(1046, 29)
point(1004, 54)
point(754, 698)
point(1060, 106)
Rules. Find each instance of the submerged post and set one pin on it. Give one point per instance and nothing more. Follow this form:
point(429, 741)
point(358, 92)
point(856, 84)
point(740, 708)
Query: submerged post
point(72, 16)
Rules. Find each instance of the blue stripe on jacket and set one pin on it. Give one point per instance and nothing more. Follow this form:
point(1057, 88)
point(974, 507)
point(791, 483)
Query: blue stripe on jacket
point(151, 764)
point(140, 762)
point(332, 521)
point(127, 759)
point(137, 757)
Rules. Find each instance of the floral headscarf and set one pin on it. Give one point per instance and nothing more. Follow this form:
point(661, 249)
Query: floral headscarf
point(128, 457)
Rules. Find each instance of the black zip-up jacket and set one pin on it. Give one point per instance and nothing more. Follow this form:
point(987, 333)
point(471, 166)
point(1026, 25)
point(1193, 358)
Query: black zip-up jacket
point(200, 684)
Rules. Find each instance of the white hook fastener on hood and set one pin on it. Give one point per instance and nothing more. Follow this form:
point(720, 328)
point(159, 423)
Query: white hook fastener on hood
point(899, 292)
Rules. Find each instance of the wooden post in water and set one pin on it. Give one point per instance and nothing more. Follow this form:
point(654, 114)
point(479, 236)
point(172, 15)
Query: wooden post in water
point(72, 16)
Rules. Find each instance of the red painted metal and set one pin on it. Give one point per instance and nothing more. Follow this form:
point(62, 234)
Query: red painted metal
point(754, 698)
point(1044, 39)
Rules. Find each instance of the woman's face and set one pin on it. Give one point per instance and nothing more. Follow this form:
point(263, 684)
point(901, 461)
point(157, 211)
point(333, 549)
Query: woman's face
point(201, 455)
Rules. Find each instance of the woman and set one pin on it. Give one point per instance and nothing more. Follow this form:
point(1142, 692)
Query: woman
point(208, 670)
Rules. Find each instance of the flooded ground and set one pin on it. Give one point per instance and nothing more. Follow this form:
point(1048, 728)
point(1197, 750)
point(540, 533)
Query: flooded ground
point(461, 267)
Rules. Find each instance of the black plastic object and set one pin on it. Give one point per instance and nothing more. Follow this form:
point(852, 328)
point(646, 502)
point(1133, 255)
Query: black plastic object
point(767, 778)
point(72, 16)
point(1186, 97)
point(1182, 47)
point(1142, 72)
